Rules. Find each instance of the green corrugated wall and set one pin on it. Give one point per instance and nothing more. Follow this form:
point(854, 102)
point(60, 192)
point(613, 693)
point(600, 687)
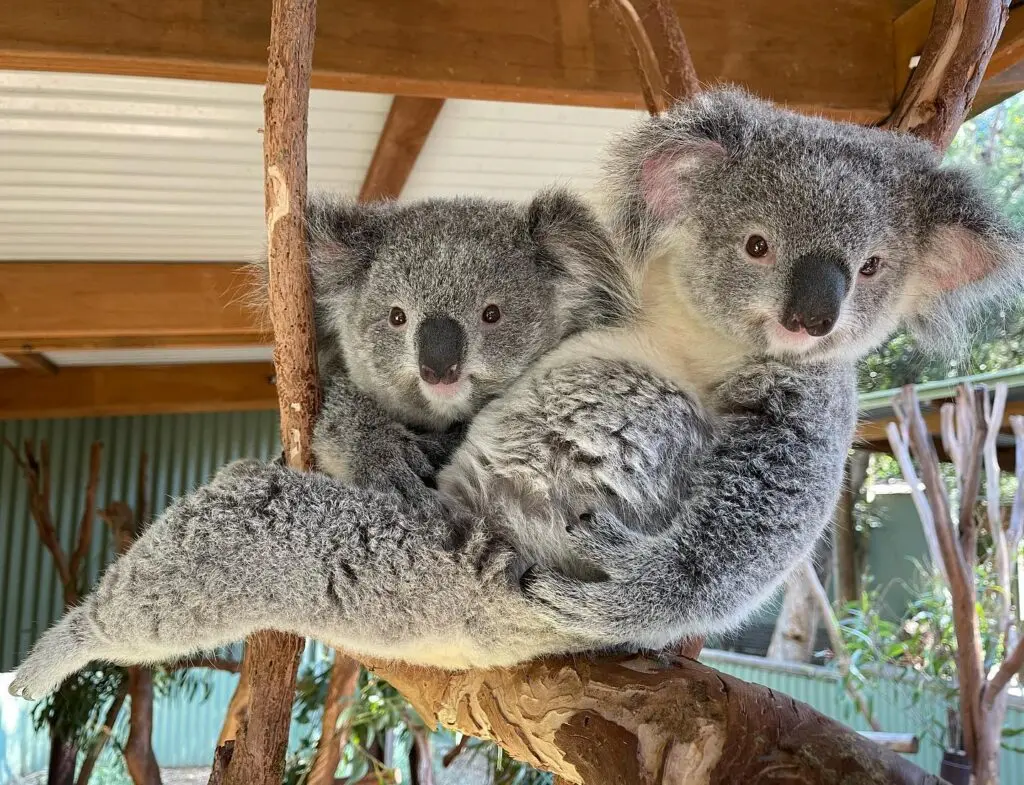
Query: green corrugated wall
point(891, 704)
point(184, 451)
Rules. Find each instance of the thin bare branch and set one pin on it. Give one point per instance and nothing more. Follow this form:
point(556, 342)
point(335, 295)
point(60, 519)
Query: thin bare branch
point(950, 442)
point(835, 637)
point(212, 663)
point(455, 752)
point(1010, 667)
point(959, 577)
point(970, 414)
point(85, 525)
point(105, 732)
point(662, 57)
point(1016, 526)
point(37, 477)
point(901, 450)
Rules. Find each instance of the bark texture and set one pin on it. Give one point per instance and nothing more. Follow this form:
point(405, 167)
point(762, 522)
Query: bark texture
point(271, 659)
point(624, 721)
point(963, 36)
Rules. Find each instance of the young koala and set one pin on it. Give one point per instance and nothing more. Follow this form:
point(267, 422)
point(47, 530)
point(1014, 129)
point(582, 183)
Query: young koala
point(641, 483)
point(426, 311)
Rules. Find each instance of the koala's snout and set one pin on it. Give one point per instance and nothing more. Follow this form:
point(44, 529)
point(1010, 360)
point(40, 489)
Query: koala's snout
point(440, 342)
point(817, 287)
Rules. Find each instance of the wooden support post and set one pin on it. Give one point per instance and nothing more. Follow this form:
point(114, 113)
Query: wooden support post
point(272, 659)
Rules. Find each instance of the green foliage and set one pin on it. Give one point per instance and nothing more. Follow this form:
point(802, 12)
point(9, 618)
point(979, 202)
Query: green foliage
point(918, 652)
point(993, 145)
point(77, 710)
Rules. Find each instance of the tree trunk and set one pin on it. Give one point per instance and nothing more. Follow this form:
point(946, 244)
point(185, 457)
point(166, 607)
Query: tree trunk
point(421, 762)
point(138, 752)
point(845, 532)
point(63, 758)
point(793, 637)
point(342, 685)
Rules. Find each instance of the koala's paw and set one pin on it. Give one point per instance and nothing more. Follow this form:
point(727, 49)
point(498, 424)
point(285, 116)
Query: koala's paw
point(396, 465)
point(57, 655)
point(593, 598)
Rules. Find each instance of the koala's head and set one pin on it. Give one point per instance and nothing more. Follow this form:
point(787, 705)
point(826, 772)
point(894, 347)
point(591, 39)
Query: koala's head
point(438, 306)
point(809, 238)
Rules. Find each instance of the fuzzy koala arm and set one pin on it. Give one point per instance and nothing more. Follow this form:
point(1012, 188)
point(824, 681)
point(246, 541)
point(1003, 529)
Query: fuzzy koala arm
point(357, 441)
point(265, 547)
point(757, 500)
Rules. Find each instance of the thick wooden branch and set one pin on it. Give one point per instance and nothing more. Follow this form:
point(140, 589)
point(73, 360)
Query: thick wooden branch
point(271, 659)
point(634, 720)
point(963, 36)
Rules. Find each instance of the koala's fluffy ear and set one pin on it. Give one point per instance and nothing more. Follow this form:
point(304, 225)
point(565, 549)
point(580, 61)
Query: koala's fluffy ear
point(652, 170)
point(342, 236)
point(971, 261)
point(593, 286)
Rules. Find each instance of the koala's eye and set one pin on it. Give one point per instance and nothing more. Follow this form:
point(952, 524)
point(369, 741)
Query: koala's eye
point(757, 246)
point(491, 314)
point(870, 267)
point(397, 317)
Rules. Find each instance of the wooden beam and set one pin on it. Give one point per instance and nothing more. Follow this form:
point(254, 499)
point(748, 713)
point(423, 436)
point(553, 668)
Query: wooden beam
point(32, 361)
point(830, 57)
point(405, 132)
point(1010, 49)
point(89, 391)
point(62, 305)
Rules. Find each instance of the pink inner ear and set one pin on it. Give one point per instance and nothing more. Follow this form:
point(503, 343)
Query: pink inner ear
point(663, 176)
point(959, 257)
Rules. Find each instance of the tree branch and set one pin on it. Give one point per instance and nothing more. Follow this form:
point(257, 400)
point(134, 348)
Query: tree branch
point(898, 441)
point(962, 38)
point(1011, 666)
point(85, 525)
point(106, 729)
point(959, 578)
point(632, 719)
point(271, 659)
point(341, 686)
point(661, 55)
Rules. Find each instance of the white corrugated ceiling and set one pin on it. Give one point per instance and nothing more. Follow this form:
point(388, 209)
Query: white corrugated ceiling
point(138, 169)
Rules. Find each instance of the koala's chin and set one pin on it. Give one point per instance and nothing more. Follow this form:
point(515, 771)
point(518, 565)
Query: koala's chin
point(450, 403)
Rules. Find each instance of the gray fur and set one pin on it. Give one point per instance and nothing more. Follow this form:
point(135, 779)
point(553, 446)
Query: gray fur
point(637, 484)
point(548, 265)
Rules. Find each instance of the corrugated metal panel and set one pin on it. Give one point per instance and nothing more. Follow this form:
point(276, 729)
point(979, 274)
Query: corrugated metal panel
point(183, 450)
point(508, 151)
point(129, 168)
point(891, 703)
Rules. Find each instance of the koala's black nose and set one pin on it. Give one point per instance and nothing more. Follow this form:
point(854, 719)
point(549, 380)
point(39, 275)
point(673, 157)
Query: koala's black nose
point(817, 287)
point(440, 342)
